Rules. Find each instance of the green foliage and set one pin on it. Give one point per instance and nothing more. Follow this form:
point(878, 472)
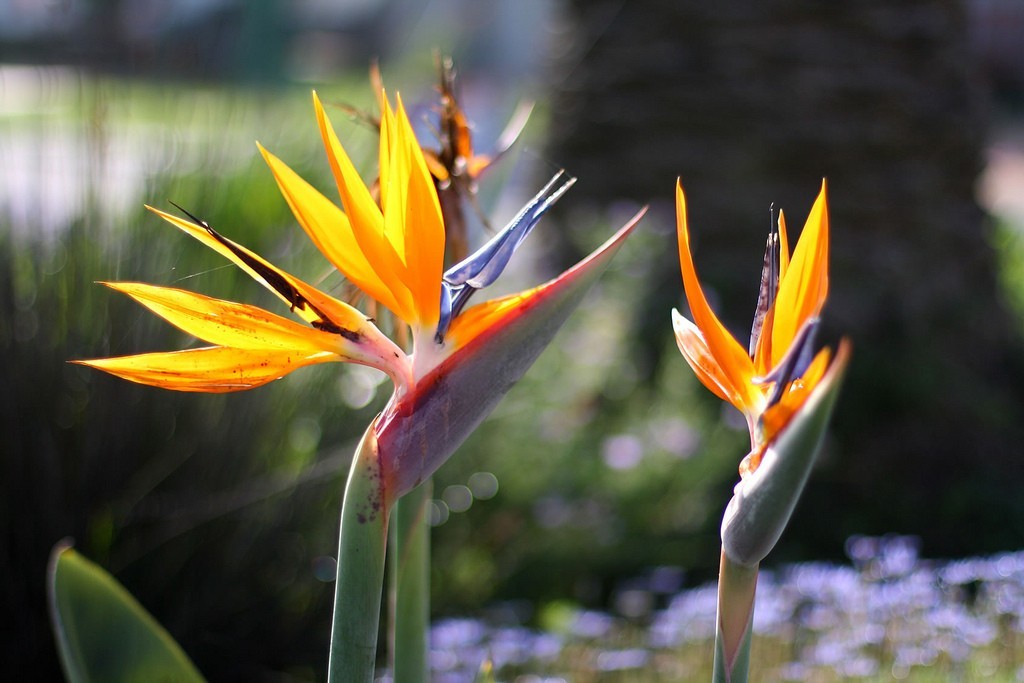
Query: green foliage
point(103, 633)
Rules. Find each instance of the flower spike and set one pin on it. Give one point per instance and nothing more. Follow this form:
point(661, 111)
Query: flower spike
point(785, 391)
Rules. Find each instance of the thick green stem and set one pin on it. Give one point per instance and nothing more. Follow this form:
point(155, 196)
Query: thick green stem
point(362, 544)
point(737, 584)
point(410, 616)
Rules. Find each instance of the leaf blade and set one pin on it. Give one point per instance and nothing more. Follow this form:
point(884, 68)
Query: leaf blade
point(102, 632)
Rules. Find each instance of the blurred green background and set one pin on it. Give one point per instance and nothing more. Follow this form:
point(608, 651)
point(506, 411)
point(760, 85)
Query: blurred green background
point(220, 512)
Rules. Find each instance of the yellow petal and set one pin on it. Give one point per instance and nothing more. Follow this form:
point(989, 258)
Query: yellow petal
point(394, 185)
point(730, 357)
point(355, 196)
point(384, 151)
point(306, 301)
point(247, 327)
point(419, 222)
point(329, 229)
point(804, 288)
point(365, 216)
point(213, 369)
point(226, 323)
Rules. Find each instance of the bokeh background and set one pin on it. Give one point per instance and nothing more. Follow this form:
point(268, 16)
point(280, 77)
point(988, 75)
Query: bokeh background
point(608, 460)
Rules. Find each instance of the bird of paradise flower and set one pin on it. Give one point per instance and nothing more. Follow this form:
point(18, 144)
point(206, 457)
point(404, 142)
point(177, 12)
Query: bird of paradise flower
point(784, 390)
point(463, 359)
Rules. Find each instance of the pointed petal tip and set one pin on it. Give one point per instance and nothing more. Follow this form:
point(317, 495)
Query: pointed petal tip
point(837, 368)
point(629, 226)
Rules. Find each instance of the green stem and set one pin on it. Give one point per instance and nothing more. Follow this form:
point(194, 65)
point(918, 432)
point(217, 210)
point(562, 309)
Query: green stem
point(362, 544)
point(411, 575)
point(737, 584)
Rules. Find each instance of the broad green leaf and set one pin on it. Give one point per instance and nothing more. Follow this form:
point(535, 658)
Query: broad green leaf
point(103, 634)
point(763, 502)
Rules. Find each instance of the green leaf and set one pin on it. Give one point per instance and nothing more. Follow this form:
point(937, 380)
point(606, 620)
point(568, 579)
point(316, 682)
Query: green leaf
point(103, 633)
point(763, 502)
point(418, 434)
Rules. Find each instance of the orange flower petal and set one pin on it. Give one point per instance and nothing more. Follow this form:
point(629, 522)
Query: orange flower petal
point(365, 216)
point(496, 313)
point(419, 222)
point(695, 350)
point(778, 416)
point(474, 320)
point(804, 288)
point(329, 229)
point(730, 357)
point(477, 164)
point(213, 369)
point(385, 152)
point(783, 245)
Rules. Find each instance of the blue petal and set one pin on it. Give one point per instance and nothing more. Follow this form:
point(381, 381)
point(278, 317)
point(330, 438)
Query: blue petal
point(794, 363)
point(485, 265)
